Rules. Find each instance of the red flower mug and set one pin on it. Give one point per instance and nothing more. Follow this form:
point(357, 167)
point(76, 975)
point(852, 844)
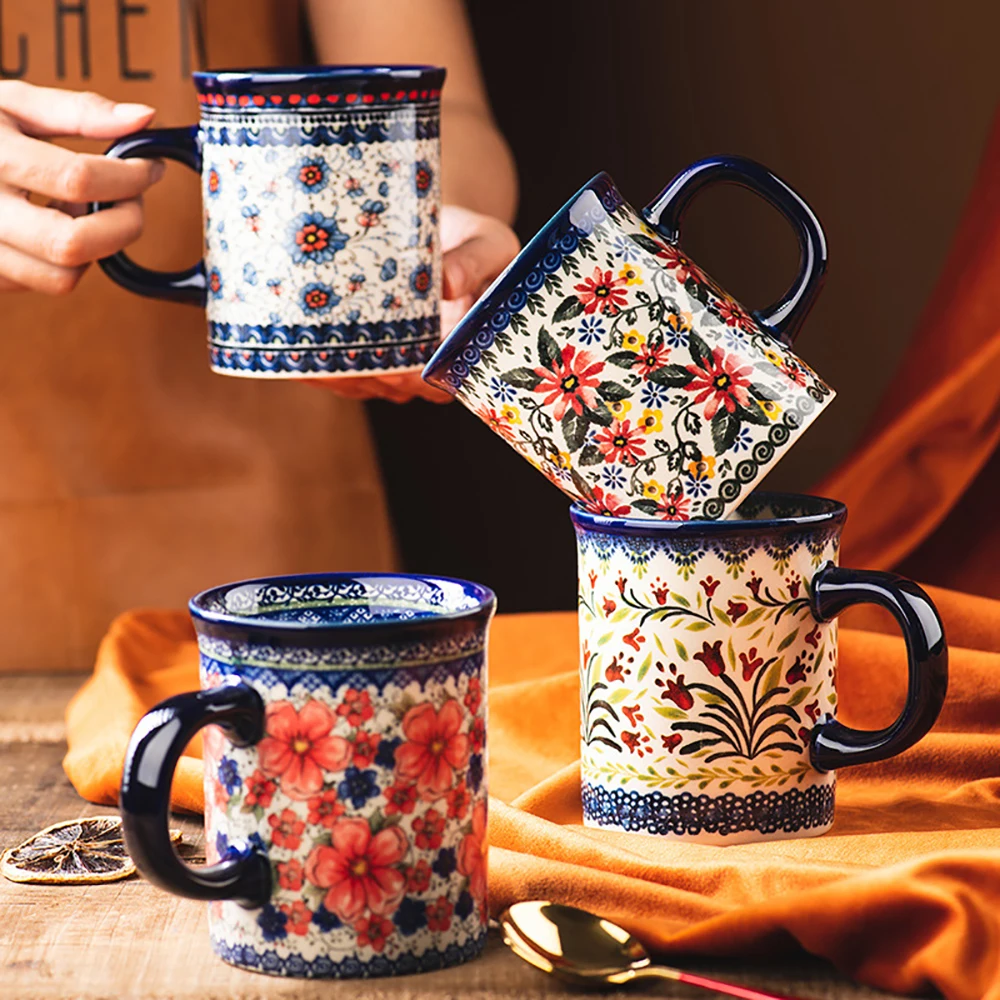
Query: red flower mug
point(619, 369)
point(345, 786)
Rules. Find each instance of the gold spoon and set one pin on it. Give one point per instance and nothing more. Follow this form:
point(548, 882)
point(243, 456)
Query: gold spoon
point(582, 948)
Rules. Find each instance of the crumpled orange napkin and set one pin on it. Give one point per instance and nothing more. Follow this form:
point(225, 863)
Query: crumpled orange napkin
point(903, 893)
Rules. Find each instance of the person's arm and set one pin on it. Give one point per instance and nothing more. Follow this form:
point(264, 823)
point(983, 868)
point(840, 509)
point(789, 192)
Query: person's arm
point(478, 178)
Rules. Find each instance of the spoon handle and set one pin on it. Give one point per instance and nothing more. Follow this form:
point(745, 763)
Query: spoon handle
point(728, 989)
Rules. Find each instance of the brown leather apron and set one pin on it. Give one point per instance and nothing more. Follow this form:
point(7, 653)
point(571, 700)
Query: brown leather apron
point(130, 475)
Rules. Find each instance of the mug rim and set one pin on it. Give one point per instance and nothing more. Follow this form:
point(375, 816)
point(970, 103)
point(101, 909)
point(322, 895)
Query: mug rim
point(512, 275)
point(241, 80)
point(831, 511)
point(229, 624)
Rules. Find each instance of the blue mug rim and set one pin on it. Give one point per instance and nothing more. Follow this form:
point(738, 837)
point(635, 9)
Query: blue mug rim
point(260, 628)
point(515, 273)
point(830, 512)
point(244, 80)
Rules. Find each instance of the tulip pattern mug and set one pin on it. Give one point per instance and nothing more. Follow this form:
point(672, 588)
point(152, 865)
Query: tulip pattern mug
point(618, 368)
point(321, 190)
point(345, 785)
point(708, 670)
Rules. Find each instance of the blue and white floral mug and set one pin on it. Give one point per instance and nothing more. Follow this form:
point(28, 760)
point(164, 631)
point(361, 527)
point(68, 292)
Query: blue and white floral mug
point(621, 371)
point(345, 785)
point(708, 670)
point(321, 192)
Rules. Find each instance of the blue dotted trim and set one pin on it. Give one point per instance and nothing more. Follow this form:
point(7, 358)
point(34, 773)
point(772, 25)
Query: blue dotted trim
point(351, 967)
point(390, 127)
point(685, 814)
point(326, 360)
point(332, 681)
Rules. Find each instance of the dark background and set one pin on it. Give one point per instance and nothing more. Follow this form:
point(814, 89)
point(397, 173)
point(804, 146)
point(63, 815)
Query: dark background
point(875, 112)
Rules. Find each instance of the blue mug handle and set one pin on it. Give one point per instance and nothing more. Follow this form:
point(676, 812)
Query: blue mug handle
point(157, 742)
point(665, 213)
point(190, 285)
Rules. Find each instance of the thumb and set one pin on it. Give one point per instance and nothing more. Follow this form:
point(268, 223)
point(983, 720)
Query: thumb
point(48, 111)
point(475, 262)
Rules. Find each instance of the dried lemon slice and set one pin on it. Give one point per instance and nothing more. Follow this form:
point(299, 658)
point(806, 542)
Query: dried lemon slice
point(75, 851)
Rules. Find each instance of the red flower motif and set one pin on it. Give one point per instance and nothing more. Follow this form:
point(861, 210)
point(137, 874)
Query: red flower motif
point(733, 314)
point(316, 298)
point(620, 584)
point(683, 268)
point(720, 381)
point(602, 292)
point(754, 584)
point(613, 672)
point(400, 798)
point(312, 239)
point(678, 693)
point(812, 710)
point(298, 747)
point(260, 791)
point(439, 914)
point(429, 830)
point(633, 714)
point(435, 748)
point(805, 735)
point(633, 639)
point(496, 422)
point(606, 504)
point(286, 829)
point(213, 181)
point(750, 662)
point(325, 808)
point(796, 672)
point(661, 592)
point(356, 707)
point(674, 507)
point(290, 875)
point(310, 174)
point(357, 869)
point(472, 854)
point(736, 610)
point(592, 576)
point(651, 358)
point(631, 740)
point(369, 219)
point(709, 585)
point(418, 877)
point(672, 741)
point(621, 442)
point(299, 917)
point(473, 695)
point(477, 735)
point(609, 606)
point(711, 656)
point(794, 585)
point(365, 748)
point(813, 637)
point(373, 931)
point(458, 801)
point(570, 383)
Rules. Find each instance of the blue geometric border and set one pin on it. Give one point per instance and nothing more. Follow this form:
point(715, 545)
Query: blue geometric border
point(325, 360)
point(391, 126)
point(324, 336)
point(324, 967)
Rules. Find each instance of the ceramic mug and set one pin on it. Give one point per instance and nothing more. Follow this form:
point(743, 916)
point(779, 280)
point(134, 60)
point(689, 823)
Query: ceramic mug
point(321, 191)
point(345, 786)
point(708, 670)
point(618, 368)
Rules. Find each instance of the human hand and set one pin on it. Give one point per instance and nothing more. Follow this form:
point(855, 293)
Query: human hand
point(476, 248)
point(46, 248)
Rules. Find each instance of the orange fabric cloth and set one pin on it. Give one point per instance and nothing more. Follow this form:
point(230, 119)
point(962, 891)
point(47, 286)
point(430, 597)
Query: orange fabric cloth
point(903, 893)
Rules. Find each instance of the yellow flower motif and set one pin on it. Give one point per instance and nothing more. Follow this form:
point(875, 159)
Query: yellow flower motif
point(653, 490)
point(681, 322)
point(632, 274)
point(776, 359)
point(651, 421)
point(771, 408)
point(633, 340)
point(619, 407)
point(705, 469)
point(510, 414)
point(561, 460)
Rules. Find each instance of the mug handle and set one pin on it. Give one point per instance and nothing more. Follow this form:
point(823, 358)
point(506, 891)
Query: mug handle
point(666, 212)
point(190, 285)
point(156, 744)
point(835, 745)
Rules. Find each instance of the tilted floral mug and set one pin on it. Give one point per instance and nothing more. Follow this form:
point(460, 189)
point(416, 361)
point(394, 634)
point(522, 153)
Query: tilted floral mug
point(620, 370)
point(321, 193)
point(708, 670)
point(345, 785)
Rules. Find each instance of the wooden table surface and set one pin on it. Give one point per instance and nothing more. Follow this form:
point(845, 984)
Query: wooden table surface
point(127, 939)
